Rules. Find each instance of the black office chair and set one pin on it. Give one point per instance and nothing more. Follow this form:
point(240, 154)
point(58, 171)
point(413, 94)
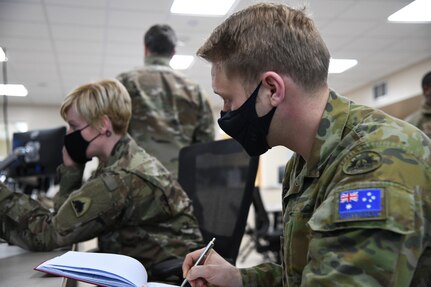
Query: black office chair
point(219, 178)
point(264, 237)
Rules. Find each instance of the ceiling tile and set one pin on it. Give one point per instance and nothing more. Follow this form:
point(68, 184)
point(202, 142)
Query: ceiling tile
point(161, 6)
point(373, 9)
point(23, 29)
point(87, 47)
point(134, 19)
point(76, 16)
point(25, 44)
point(74, 32)
point(79, 3)
point(21, 11)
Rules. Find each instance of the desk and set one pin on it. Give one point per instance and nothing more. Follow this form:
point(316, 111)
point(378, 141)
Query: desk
point(16, 267)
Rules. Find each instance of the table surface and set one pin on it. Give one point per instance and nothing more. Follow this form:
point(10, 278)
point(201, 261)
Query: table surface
point(16, 267)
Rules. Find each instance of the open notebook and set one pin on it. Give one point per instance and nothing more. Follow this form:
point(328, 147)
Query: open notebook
point(103, 269)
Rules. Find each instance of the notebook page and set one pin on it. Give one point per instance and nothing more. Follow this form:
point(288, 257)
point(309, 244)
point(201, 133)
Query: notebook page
point(123, 266)
point(154, 284)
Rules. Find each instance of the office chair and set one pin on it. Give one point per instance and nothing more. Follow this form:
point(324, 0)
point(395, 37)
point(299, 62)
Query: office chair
point(265, 236)
point(219, 178)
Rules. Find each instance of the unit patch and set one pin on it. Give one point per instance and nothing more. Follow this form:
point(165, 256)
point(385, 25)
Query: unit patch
point(80, 205)
point(360, 204)
point(362, 163)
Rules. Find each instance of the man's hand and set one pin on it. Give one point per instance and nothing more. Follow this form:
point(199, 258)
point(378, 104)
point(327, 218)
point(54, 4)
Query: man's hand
point(214, 272)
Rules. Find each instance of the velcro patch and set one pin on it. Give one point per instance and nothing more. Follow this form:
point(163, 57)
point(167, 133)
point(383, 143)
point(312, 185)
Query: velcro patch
point(360, 204)
point(80, 205)
point(110, 182)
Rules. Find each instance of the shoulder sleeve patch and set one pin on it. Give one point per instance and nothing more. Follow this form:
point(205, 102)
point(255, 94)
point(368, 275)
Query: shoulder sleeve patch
point(80, 205)
point(363, 162)
point(109, 181)
point(360, 204)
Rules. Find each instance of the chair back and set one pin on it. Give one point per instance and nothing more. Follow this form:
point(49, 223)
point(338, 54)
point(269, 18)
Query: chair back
point(219, 178)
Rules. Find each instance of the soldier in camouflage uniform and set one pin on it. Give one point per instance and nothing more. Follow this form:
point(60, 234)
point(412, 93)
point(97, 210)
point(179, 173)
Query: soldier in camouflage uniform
point(131, 203)
point(357, 192)
point(169, 111)
point(422, 118)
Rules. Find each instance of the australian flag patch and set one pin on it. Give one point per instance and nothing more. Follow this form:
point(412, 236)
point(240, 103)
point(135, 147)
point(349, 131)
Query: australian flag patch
point(360, 204)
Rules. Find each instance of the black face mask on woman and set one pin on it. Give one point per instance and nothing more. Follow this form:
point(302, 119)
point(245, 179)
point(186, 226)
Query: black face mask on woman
point(76, 146)
point(246, 127)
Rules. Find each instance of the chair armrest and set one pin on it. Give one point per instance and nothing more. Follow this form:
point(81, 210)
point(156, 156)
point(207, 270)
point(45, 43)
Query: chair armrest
point(168, 268)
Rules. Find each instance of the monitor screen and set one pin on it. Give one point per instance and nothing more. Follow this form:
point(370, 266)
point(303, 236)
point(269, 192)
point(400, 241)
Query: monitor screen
point(39, 152)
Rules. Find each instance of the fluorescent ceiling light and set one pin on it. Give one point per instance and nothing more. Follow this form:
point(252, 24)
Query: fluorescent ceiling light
point(202, 7)
point(181, 62)
point(13, 90)
point(337, 66)
point(2, 55)
point(416, 12)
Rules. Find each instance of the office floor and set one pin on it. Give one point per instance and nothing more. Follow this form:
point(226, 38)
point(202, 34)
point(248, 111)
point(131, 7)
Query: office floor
point(248, 256)
point(250, 259)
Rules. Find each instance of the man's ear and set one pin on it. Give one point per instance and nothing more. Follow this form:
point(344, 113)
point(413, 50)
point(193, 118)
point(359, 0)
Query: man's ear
point(275, 84)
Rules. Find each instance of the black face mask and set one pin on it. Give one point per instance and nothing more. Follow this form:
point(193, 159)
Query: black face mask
point(246, 127)
point(77, 146)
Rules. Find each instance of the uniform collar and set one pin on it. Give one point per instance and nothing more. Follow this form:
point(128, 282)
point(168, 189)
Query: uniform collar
point(329, 133)
point(119, 150)
point(157, 60)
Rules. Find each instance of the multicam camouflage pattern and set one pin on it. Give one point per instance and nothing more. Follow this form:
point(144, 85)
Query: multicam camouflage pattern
point(422, 119)
point(356, 148)
point(169, 111)
point(131, 204)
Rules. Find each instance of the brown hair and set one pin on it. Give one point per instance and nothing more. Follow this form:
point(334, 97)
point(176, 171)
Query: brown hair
point(161, 40)
point(94, 100)
point(267, 37)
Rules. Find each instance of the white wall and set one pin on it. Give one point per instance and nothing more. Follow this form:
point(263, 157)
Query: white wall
point(400, 86)
point(269, 164)
point(37, 117)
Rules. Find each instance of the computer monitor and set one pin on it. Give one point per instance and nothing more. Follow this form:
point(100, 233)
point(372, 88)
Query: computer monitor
point(38, 152)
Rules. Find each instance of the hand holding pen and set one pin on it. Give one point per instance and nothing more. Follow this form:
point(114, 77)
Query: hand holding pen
point(216, 270)
point(201, 257)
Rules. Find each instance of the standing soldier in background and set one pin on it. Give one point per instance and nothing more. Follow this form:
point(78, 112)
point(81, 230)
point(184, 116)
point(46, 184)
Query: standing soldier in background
point(422, 118)
point(169, 111)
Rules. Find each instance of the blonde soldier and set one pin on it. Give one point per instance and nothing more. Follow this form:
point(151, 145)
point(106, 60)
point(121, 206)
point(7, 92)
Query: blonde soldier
point(169, 111)
point(422, 118)
point(356, 194)
point(131, 203)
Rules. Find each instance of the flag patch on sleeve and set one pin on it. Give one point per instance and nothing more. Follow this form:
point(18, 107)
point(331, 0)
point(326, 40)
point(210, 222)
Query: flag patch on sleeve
point(360, 204)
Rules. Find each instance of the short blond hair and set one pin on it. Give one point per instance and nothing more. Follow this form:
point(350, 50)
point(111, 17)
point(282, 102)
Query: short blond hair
point(266, 37)
point(94, 100)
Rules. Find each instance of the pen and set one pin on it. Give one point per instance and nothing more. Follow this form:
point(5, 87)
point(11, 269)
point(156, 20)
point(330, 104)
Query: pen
point(201, 257)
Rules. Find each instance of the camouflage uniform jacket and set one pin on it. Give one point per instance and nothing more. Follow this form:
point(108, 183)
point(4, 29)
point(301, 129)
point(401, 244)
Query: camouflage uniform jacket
point(422, 119)
point(131, 204)
point(358, 213)
point(169, 111)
